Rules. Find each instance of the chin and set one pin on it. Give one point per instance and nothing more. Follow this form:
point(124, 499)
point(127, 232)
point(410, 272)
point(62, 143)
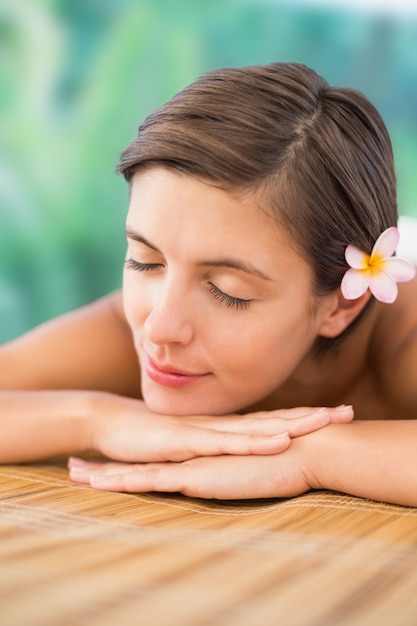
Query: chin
point(181, 407)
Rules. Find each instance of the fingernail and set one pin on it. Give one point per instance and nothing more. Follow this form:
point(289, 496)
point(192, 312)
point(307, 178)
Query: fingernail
point(280, 435)
point(75, 461)
point(77, 470)
point(343, 407)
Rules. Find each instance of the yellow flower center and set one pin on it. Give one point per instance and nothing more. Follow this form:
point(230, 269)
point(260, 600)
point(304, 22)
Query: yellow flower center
point(376, 263)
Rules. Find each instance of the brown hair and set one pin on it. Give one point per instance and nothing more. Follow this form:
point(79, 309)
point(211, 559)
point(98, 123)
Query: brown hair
point(321, 156)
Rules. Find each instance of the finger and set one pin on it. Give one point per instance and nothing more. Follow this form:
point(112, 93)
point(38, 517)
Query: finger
point(343, 413)
point(309, 423)
point(207, 442)
point(299, 426)
point(199, 481)
point(80, 469)
point(199, 478)
point(76, 462)
point(270, 422)
point(294, 412)
point(274, 422)
point(339, 413)
point(253, 423)
point(78, 475)
point(165, 477)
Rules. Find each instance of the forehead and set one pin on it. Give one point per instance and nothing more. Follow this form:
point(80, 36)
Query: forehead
point(170, 208)
point(156, 189)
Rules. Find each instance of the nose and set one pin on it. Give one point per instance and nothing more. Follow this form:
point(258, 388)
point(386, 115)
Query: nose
point(170, 319)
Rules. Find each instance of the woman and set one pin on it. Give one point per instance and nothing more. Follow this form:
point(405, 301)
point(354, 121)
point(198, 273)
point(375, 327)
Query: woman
point(261, 228)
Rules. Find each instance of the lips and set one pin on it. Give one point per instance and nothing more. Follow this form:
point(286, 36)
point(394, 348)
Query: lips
point(170, 376)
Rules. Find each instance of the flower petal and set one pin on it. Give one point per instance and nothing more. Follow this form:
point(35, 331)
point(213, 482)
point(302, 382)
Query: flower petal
point(383, 287)
point(355, 283)
point(386, 243)
point(401, 270)
point(356, 258)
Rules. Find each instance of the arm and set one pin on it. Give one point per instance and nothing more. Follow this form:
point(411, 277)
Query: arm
point(68, 384)
point(374, 459)
point(370, 459)
point(36, 425)
point(87, 349)
point(40, 424)
point(378, 459)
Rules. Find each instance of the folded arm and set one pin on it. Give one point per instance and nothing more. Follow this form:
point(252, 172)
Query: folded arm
point(40, 424)
point(370, 459)
point(374, 459)
point(73, 385)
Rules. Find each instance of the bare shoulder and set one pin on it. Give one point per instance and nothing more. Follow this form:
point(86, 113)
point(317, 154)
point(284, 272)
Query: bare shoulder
point(395, 351)
point(88, 348)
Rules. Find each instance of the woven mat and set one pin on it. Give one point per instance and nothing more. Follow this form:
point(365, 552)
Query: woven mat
point(70, 556)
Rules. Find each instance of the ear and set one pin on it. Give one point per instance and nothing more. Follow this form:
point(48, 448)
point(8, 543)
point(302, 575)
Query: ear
point(341, 313)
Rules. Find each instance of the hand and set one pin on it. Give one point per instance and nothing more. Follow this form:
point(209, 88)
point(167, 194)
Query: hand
point(125, 430)
point(250, 476)
point(221, 477)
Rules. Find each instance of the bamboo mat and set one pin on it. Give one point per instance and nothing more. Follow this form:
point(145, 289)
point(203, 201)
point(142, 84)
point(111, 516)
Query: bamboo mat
point(70, 556)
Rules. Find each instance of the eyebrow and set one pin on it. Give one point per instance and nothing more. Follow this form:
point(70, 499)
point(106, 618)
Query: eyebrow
point(234, 264)
point(131, 234)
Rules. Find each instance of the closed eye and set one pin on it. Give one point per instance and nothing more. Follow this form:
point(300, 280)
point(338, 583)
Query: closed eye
point(131, 264)
point(230, 301)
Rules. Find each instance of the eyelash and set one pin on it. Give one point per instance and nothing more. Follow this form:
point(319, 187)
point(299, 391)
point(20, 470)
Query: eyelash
point(229, 301)
point(131, 264)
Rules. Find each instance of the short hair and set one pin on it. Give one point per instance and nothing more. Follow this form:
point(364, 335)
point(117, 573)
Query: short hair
point(320, 156)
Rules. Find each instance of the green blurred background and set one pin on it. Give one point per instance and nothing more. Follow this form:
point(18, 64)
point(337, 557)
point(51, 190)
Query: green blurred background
point(77, 77)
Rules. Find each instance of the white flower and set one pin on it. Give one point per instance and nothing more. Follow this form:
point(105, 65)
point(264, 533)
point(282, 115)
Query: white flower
point(379, 272)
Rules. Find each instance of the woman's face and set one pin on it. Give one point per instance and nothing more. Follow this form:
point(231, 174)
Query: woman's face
point(219, 302)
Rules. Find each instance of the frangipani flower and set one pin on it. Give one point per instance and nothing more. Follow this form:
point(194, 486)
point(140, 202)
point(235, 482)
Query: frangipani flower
point(379, 272)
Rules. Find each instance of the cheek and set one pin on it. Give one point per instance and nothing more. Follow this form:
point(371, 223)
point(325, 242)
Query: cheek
point(135, 301)
point(243, 351)
point(268, 350)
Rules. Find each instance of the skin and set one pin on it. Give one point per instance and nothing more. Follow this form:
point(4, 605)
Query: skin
point(245, 413)
point(190, 312)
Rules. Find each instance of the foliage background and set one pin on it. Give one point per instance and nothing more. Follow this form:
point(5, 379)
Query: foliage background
point(77, 77)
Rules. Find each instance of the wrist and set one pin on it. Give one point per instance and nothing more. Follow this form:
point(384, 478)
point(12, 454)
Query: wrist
point(108, 421)
point(319, 448)
point(91, 418)
point(42, 424)
point(82, 416)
